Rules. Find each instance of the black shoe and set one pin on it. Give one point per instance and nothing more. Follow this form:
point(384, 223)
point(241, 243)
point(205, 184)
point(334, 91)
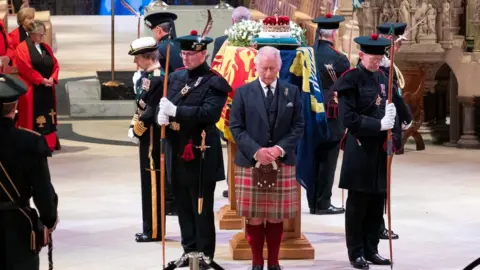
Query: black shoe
point(144, 238)
point(170, 208)
point(184, 261)
point(225, 193)
point(378, 260)
point(256, 267)
point(312, 211)
point(384, 235)
point(330, 211)
point(276, 267)
point(203, 265)
point(360, 263)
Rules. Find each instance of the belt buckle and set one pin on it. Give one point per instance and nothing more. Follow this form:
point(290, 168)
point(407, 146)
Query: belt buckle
point(174, 126)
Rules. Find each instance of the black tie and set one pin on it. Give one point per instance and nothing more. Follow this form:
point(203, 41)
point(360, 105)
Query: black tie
point(269, 96)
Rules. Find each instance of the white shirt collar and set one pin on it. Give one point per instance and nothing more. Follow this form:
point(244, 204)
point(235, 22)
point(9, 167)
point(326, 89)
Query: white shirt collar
point(273, 85)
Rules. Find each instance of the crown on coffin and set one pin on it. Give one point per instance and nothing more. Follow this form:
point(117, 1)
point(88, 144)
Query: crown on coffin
point(276, 24)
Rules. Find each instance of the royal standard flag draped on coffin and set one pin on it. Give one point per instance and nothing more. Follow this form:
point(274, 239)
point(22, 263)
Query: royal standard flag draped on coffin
point(299, 68)
point(237, 66)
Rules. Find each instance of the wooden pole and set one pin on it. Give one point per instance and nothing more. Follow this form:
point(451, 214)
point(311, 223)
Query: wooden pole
point(113, 83)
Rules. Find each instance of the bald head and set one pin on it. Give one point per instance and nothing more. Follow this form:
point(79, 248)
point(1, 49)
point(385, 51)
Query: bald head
point(268, 63)
point(241, 14)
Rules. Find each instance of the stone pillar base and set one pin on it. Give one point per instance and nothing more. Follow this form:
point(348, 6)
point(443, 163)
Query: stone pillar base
point(469, 138)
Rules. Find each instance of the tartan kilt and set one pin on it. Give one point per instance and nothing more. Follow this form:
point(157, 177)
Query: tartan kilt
point(280, 202)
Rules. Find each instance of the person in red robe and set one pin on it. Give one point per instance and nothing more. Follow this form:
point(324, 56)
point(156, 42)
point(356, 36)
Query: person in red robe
point(25, 17)
point(39, 68)
point(6, 51)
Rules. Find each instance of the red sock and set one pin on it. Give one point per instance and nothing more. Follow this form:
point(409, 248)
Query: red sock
point(256, 238)
point(274, 234)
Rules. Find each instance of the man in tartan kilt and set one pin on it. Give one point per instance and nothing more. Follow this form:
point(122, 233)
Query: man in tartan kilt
point(267, 123)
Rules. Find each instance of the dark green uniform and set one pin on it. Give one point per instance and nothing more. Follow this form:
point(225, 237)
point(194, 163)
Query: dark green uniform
point(331, 64)
point(363, 94)
point(198, 96)
point(23, 157)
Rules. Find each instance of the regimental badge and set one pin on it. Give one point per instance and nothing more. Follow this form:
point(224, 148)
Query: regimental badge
point(335, 97)
point(145, 84)
point(41, 121)
point(174, 126)
point(382, 86)
point(185, 90)
point(379, 100)
point(286, 92)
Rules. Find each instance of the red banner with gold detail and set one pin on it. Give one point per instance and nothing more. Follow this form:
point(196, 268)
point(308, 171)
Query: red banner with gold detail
point(237, 66)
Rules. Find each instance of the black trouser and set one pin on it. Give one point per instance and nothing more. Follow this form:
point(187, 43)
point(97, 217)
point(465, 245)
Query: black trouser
point(363, 216)
point(146, 185)
point(198, 231)
point(326, 156)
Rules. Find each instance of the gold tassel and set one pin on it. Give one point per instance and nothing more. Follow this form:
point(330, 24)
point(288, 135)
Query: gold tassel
point(400, 79)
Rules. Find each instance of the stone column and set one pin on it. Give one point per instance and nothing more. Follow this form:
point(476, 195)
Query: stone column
point(469, 138)
point(350, 29)
point(454, 111)
point(476, 25)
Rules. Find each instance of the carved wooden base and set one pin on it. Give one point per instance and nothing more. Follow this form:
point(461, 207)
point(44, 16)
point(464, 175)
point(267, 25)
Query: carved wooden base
point(290, 249)
point(228, 219)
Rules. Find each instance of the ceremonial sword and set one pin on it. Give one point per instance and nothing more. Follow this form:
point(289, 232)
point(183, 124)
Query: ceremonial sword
point(203, 147)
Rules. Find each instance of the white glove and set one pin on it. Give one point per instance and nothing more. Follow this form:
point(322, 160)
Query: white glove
point(390, 110)
point(406, 126)
point(388, 121)
point(132, 137)
point(168, 107)
point(162, 118)
point(135, 78)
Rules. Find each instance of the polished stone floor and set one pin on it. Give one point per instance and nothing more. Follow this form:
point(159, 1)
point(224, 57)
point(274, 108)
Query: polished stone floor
point(96, 174)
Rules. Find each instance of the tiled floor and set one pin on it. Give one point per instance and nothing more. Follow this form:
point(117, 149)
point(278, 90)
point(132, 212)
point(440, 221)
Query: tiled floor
point(435, 192)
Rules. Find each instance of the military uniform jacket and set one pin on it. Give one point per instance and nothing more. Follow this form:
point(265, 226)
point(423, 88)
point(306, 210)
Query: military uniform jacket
point(325, 54)
point(403, 111)
point(24, 156)
point(199, 109)
point(149, 92)
point(363, 96)
point(175, 59)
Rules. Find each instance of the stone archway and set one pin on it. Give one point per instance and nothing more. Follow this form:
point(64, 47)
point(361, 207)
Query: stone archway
point(448, 113)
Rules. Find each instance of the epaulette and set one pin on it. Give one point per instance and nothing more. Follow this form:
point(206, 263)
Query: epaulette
point(180, 68)
point(337, 51)
point(216, 72)
point(31, 131)
point(347, 71)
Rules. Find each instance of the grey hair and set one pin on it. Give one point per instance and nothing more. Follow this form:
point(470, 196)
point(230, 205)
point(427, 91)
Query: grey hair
point(269, 51)
point(35, 27)
point(241, 14)
point(165, 26)
point(326, 33)
point(151, 55)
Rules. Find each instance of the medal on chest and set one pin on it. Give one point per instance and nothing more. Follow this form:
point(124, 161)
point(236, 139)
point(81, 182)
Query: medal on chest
point(187, 88)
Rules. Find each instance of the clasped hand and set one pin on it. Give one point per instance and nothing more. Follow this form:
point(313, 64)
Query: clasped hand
point(268, 155)
point(48, 82)
point(388, 121)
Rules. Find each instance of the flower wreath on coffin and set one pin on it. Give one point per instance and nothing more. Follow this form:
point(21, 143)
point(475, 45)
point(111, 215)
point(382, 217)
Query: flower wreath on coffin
point(235, 60)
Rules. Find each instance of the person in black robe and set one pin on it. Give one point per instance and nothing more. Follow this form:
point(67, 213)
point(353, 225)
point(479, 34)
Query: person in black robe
point(24, 174)
point(161, 23)
point(196, 96)
point(145, 132)
point(404, 113)
point(331, 64)
point(367, 117)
